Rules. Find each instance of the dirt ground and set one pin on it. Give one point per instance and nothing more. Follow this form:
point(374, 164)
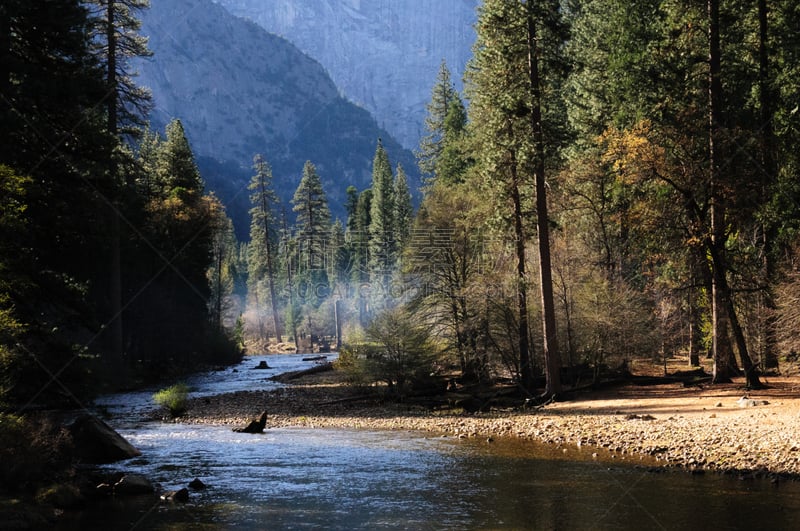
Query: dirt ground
point(782, 393)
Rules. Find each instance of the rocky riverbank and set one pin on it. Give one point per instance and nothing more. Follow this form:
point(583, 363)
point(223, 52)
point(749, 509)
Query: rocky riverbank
point(664, 425)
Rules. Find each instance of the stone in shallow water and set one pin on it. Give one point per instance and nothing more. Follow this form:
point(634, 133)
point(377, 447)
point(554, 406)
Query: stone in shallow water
point(196, 484)
point(133, 484)
point(181, 495)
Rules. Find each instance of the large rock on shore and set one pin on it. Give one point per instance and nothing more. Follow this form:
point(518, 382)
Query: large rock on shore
point(97, 443)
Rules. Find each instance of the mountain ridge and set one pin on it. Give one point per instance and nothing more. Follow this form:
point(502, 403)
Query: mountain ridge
point(240, 90)
point(383, 54)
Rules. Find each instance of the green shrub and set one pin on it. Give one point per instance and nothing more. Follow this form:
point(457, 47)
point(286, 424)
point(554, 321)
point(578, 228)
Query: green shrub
point(403, 351)
point(173, 398)
point(352, 361)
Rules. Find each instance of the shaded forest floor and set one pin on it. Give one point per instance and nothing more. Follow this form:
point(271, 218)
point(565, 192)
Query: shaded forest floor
point(697, 427)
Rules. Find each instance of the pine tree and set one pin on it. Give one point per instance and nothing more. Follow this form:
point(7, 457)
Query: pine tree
point(177, 168)
point(403, 208)
point(313, 230)
point(222, 270)
point(262, 229)
point(454, 161)
point(118, 41)
point(351, 207)
point(614, 78)
point(360, 241)
point(432, 144)
point(339, 268)
point(516, 65)
point(52, 131)
point(382, 236)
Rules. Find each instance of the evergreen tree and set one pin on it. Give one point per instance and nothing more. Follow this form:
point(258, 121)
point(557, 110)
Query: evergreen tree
point(118, 41)
point(263, 230)
point(360, 241)
point(148, 185)
point(313, 230)
point(432, 144)
point(403, 209)
point(382, 236)
point(339, 268)
point(614, 79)
point(177, 168)
point(351, 207)
point(222, 270)
point(512, 83)
point(178, 235)
point(538, 23)
point(454, 160)
point(52, 132)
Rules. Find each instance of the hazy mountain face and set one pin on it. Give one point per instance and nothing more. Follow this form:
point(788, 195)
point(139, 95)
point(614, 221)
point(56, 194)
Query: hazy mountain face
point(239, 91)
point(383, 54)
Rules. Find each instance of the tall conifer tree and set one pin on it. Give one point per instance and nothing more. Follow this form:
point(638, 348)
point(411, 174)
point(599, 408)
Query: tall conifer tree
point(313, 232)
point(383, 242)
point(516, 65)
point(432, 144)
point(403, 208)
point(262, 230)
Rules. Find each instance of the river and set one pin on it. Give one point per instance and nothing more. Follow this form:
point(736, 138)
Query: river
point(304, 478)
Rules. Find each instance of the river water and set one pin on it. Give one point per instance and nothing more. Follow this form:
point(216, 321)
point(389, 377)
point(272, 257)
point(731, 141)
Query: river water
point(304, 478)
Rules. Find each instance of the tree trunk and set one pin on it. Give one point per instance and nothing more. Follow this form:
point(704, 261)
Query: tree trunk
point(270, 269)
point(719, 324)
point(751, 373)
point(692, 317)
point(552, 357)
point(526, 373)
point(218, 288)
point(770, 358)
point(337, 319)
point(115, 270)
point(290, 282)
point(723, 310)
point(111, 69)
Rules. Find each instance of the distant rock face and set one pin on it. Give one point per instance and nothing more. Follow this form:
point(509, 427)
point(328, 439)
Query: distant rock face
point(240, 90)
point(383, 54)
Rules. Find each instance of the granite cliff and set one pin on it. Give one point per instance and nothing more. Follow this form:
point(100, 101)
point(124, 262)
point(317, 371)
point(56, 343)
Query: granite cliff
point(382, 54)
point(240, 90)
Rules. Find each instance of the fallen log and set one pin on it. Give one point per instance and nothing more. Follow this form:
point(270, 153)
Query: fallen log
point(256, 426)
point(346, 399)
point(293, 375)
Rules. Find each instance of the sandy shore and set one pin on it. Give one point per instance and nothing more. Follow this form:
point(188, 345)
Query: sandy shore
point(666, 425)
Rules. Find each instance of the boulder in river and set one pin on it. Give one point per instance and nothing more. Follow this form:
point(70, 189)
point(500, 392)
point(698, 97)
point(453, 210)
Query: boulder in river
point(133, 484)
point(262, 365)
point(97, 443)
point(255, 426)
point(180, 495)
point(196, 484)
